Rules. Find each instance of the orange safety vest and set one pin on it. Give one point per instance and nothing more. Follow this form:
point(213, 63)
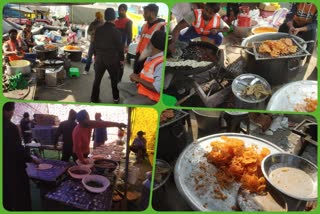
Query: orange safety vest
point(304, 14)
point(12, 47)
point(147, 75)
point(146, 35)
point(200, 26)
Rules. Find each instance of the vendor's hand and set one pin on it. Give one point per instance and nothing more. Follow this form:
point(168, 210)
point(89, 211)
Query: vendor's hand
point(122, 125)
point(214, 31)
point(292, 30)
point(134, 77)
point(296, 31)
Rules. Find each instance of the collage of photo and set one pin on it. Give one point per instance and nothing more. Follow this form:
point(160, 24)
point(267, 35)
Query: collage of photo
point(157, 107)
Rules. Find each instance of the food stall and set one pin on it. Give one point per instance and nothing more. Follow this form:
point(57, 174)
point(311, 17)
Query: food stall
point(112, 179)
point(200, 74)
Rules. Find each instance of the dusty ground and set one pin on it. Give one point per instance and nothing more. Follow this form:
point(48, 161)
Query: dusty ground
point(78, 89)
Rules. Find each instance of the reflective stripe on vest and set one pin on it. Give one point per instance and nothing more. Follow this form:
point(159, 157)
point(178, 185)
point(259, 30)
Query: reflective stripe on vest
point(147, 75)
point(199, 24)
point(146, 35)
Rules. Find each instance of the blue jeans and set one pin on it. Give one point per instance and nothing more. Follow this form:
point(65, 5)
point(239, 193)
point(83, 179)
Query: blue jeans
point(191, 33)
point(89, 58)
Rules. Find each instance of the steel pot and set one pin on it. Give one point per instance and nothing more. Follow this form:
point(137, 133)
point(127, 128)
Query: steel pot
point(43, 54)
point(18, 66)
point(275, 71)
point(208, 121)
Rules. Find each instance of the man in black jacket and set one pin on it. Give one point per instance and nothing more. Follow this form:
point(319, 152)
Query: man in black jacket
point(16, 188)
point(109, 52)
point(65, 129)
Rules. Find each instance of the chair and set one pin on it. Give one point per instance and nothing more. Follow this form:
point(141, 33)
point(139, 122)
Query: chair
point(74, 72)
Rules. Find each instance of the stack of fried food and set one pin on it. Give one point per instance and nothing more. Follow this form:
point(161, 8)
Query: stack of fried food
point(256, 90)
point(236, 162)
point(72, 48)
point(279, 47)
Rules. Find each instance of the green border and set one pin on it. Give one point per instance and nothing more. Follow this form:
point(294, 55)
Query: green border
point(159, 107)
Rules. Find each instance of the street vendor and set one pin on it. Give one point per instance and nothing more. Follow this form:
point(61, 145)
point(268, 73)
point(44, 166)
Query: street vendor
point(82, 133)
point(204, 23)
point(302, 21)
point(13, 48)
point(26, 37)
point(16, 186)
point(153, 24)
point(25, 125)
point(145, 87)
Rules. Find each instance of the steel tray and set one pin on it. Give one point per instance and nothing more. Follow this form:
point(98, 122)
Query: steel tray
point(189, 162)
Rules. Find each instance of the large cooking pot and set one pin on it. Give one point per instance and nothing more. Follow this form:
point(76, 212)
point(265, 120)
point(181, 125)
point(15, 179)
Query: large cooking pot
point(275, 71)
point(18, 66)
point(43, 54)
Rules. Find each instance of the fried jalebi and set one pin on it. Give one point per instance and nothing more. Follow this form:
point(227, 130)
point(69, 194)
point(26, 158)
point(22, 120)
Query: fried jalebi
point(236, 162)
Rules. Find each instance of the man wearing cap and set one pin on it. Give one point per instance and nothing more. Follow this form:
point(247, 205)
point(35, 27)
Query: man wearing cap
point(145, 87)
point(13, 48)
point(204, 23)
point(138, 146)
point(108, 49)
point(82, 133)
point(124, 24)
point(91, 31)
point(26, 37)
point(153, 24)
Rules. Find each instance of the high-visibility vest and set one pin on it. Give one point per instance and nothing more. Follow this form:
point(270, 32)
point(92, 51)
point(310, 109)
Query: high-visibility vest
point(12, 47)
point(147, 75)
point(200, 26)
point(146, 35)
point(304, 14)
point(121, 23)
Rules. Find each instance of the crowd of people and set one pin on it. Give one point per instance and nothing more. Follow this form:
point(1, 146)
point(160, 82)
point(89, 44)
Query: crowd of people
point(109, 44)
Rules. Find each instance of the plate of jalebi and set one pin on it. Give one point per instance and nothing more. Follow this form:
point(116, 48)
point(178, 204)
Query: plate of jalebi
point(210, 172)
point(72, 48)
point(300, 96)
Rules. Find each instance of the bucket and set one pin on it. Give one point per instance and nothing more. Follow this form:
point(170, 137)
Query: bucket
point(208, 122)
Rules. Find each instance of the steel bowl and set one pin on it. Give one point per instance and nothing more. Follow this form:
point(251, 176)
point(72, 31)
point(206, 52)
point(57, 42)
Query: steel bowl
point(165, 176)
point(287, 162)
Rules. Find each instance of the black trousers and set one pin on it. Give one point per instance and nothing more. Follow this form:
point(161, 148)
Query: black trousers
point(112, 64)
point(307, 35)
point(67, 153)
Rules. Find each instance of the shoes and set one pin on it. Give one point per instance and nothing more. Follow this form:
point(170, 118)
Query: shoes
point(116, 101)
point(95, 100)
point(85, 72)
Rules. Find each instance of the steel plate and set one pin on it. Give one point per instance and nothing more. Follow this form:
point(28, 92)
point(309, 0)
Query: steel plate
point(287, 97)
point(189, 163)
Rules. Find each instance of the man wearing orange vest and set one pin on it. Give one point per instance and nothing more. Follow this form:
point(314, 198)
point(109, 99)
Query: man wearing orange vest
point(204, 23)
point(145, 87)
point(150, 13)
point(13, 48)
